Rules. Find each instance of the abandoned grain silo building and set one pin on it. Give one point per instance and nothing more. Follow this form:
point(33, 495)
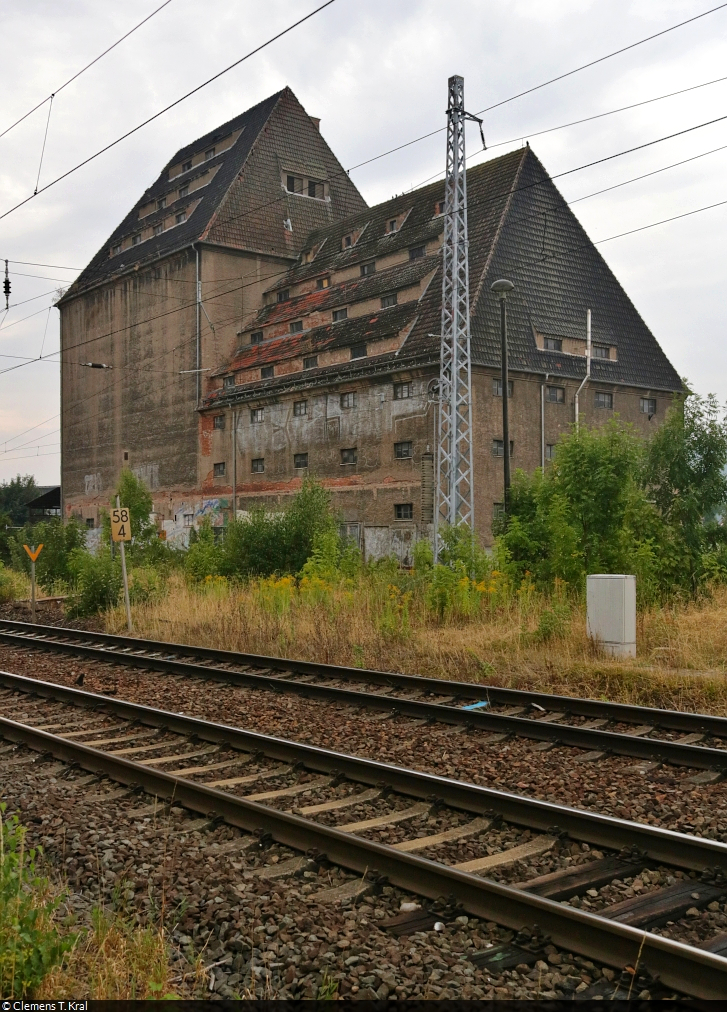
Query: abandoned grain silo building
point(264, 324)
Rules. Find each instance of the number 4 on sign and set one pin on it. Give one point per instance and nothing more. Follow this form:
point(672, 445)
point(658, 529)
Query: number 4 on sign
point(120, 524)
point(33, 553)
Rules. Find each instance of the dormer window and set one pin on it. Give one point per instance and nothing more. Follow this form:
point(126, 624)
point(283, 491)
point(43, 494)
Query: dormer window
point(553, 344)
point(417, 252)
point(228, 382)
point(186, 166)
point(369, 268)
point(283, 295)
point(267, 372)
point(438, 208)
point(256, 337)
point(340, 314)
point(115, 250)
point(182, 216)
point(315, 189)
point(600, 351)
point(162, 202)
point(322, 283)
point(158, 229)
point(389, 300)
point(296, 327)
point(294, 184)
point(184, 190)
point(210, 153)
point(392, 225)
point(347, 241)
point(136, 240)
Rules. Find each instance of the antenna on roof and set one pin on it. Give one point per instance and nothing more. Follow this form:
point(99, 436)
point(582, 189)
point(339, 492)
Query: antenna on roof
point(454, 491)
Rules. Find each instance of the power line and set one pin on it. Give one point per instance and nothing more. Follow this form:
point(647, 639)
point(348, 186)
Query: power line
point(49, 98)
point(171, 105)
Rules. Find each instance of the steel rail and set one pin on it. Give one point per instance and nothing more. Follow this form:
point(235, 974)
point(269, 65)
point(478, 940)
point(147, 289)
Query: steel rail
point(590, 739)
point(692, 971)
point(664, 845)
point(12, 631)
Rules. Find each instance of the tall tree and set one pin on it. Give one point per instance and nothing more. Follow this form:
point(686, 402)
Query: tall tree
point(14, 494)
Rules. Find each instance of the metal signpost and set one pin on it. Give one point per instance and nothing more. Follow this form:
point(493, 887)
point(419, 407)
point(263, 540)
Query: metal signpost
point(121, 532)
point(33, 553)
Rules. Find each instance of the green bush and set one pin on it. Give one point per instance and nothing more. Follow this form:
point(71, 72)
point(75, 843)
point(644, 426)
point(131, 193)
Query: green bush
point(30, 946)
point(204, 556)
point(145, 585)
point(96, 582)
point(59, 541)
point(12, 585)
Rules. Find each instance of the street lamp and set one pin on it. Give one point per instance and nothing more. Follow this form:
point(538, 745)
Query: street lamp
point(502, 289)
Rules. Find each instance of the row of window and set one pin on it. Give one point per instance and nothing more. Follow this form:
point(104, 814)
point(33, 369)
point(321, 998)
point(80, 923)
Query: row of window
point(160, 227)
point(556, 395)
point(311, 187)
point(209, 153)
point(402, 392)
point(402, 451)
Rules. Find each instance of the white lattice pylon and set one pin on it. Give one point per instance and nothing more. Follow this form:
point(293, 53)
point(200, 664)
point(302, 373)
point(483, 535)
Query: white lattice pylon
point(454, 492)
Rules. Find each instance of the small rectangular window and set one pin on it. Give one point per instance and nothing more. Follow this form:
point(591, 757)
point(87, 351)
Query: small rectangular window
point(555, 395)
point(553, 344)
point(300, 408)
point(603, 400)
point(369, 268)
point(181, 217)
point(162, 202)
point(183, 190)
point(115, 250)
point(257, 415)
point(348, 400)
point(90, 523)
point(389, 300)
point(186, 166)
point(439, 208)
point(497, 387)
point(404, 511)
point(402, 391)
point(549, 451)
point(417, 252)
point(296, 327)
point(347, 241)
point(219, 469)
point(403, 451)
point(498, 447)
point(322, 283)
point(136, 240)
point(257, 465)
point(256, 337)
point(358, 351)
point(228, 382)
point(349, 456)
point(647, 405)
point(310, 362)
point(158, 229)
point(600, 351)
point(209, 153)
point(340, 314)
point(219, 421)
point(267, 372)
point(300, 460)
point(392, 225)
point(498, 509)
point(315, 189)
point(188, 519)
point(283, 295)
point(290, 184)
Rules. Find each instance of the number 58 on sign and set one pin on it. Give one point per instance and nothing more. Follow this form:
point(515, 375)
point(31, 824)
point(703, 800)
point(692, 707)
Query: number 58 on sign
point(120, 524)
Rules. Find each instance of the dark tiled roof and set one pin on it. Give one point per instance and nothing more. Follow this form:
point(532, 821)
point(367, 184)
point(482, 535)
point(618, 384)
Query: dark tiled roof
point(103, 266)
point(243, 205)
point(519, 227)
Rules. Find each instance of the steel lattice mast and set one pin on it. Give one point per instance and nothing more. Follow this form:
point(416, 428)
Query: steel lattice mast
point(455, 492)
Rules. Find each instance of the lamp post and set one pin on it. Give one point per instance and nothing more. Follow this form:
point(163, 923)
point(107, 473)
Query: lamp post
point(502, 289)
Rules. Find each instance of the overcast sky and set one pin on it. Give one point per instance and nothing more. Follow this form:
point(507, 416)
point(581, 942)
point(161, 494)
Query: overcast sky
point(376, 72)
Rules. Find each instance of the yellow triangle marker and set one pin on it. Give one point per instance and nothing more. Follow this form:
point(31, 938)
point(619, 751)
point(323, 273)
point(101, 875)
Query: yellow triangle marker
point(33, 555)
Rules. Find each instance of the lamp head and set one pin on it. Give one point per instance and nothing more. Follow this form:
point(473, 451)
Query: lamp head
point(502, 288)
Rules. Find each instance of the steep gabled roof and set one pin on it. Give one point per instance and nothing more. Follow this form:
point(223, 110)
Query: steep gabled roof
point(519, 227)
point(228, 163)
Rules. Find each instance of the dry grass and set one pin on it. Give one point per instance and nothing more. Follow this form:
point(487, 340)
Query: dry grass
point(115, 960)
point(682, 650)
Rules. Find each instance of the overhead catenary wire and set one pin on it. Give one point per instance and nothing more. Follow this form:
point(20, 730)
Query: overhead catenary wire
point(82, 70)
point(167, 108)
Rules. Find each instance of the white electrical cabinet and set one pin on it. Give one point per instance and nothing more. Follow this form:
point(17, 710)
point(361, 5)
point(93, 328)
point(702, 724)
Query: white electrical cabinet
point(611, 613)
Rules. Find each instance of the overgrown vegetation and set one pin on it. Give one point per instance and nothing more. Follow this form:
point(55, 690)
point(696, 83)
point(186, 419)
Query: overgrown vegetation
point(30, 943)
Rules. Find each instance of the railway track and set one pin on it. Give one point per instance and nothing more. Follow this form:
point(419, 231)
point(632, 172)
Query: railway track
point(435, 837)
point(597, 727)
